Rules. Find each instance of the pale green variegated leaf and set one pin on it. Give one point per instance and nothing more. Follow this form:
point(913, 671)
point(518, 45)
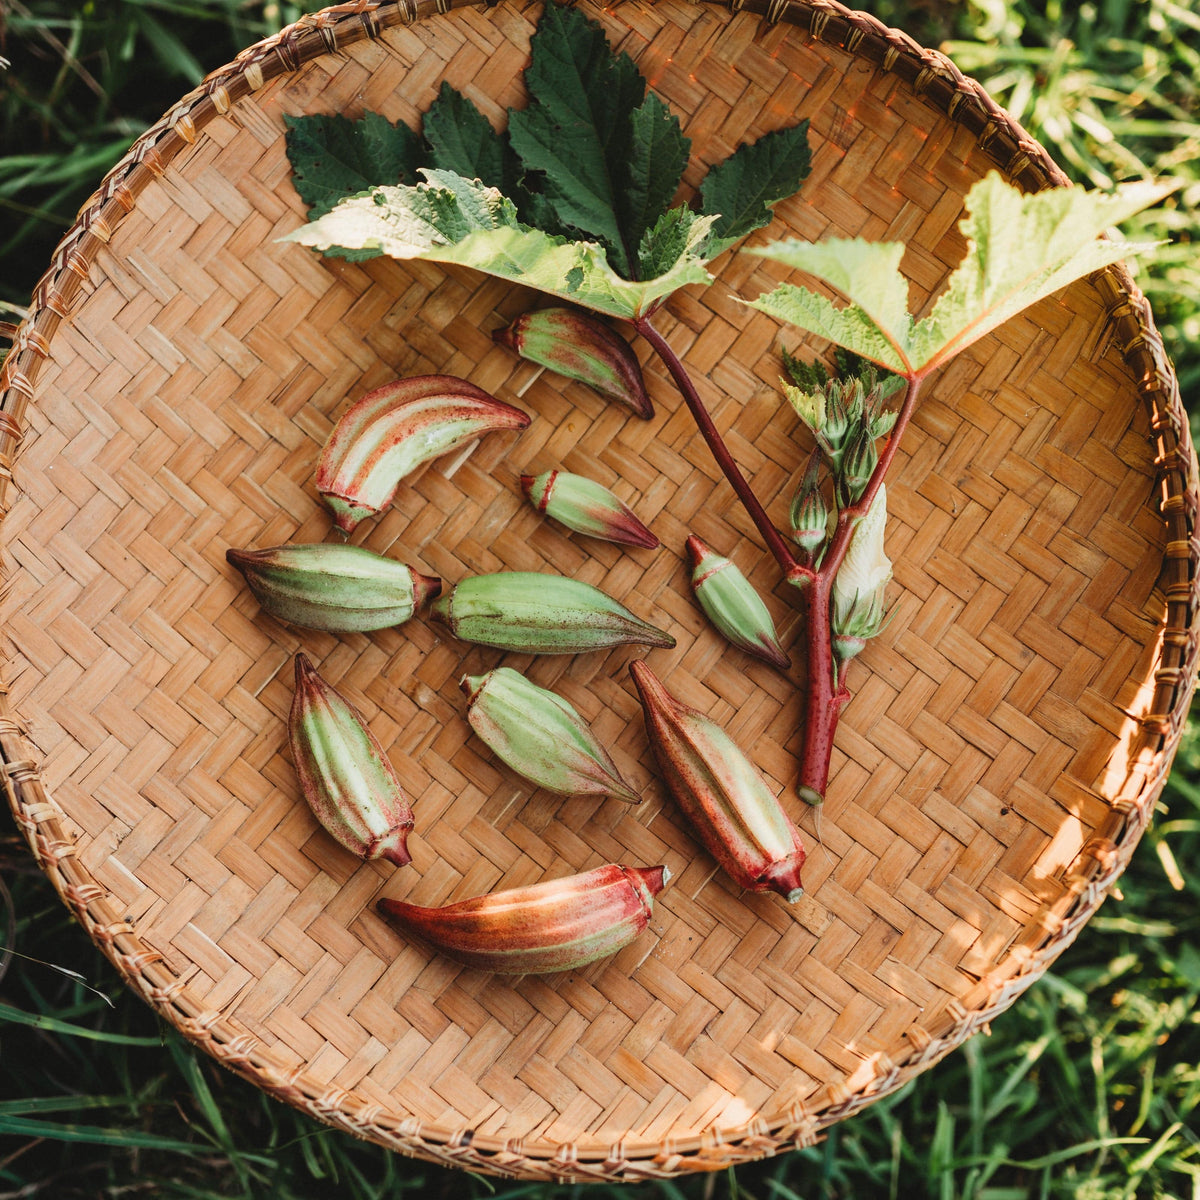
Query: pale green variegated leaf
point(575, 271)
point(405, 222)
point(450, 219)
point(875, 324)
point(1021, 248)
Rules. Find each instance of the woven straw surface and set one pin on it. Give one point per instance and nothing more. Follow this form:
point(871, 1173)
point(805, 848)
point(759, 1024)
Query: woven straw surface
point(1008, 732)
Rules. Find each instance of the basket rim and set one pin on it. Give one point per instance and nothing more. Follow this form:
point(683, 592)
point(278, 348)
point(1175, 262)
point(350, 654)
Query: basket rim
point(932, 76)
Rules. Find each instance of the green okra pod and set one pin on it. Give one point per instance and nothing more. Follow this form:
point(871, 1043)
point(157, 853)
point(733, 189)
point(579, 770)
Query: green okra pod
point(540, 614)
point(587, 507)
point(333, 586)
point(540, 736)
point(347, 779)
point(732, 604)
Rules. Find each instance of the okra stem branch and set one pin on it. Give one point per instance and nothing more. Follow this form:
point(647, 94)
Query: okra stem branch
point(826, 696)
point(848, 517)
point(704, 422)
point(824, 701)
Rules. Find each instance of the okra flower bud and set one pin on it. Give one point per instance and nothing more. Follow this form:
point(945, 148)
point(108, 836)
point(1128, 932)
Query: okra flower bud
point(875, 418)
point(845, 411)
point(858, 612)
point(809, 512)
point(826, 414)
point(858, 465)
point(347, 779)
point(540, 736)
point(587, 507)
point(733, 606)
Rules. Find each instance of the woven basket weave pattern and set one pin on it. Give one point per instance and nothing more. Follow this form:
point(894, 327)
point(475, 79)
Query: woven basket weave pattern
point(1008, 733)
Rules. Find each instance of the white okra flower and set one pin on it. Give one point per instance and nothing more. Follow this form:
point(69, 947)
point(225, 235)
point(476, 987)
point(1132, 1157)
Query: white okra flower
point(858, 588)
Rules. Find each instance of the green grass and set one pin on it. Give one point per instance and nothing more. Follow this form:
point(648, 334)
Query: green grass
point(1113, 90)
point(85, 80)
point(1088, 1088)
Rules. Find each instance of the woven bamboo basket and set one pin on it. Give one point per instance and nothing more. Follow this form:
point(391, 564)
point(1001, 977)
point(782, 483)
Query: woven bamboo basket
point(1008, 734)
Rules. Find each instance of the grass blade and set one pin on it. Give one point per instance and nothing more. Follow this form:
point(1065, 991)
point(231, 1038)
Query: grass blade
point(95, 1135)
point(18, 1016)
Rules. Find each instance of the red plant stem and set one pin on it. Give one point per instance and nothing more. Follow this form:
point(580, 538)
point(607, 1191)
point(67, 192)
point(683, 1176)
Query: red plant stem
point(825, 696)
point(774, 540)
point(824, 701)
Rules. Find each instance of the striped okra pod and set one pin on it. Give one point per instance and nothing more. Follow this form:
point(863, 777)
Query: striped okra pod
point(540, 736)
point(558, 925)
point(334, 586)
point(347, 779)
point(722, 793)
point(580, 346)
point(395, 429)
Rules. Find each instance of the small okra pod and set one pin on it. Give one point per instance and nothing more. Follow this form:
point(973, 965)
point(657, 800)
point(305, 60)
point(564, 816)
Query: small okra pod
point(334, 586)
point(580, 346)
point(347, 779)
point(809, 512)
point(732, 604)
point(395, 429)
point(540, 614)
point(557, 925)
point(721, 793)
point(587, 507)
point(540, 736)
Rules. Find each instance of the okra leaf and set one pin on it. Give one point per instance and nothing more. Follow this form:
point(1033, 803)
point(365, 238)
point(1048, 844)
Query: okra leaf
point(593, 159)
point(658, 154)
point(580, 140)
point(1020, 249)
point(847, 325)
point(875, 324)
point(461, 139)
point(672, 236)
point(334, 156)
point(751, 181)
point(450, 219)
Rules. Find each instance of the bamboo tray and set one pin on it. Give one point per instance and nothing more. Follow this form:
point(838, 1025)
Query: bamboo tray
point(1008, 735)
